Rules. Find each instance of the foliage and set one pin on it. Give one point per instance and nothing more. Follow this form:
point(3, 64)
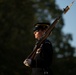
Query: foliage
point(16, 23)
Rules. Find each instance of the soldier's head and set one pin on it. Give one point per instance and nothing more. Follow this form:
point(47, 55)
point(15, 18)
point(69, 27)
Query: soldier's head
point(39, 29)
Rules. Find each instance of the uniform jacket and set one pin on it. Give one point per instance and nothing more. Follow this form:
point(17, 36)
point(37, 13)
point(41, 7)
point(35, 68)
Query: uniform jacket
point(43, 59)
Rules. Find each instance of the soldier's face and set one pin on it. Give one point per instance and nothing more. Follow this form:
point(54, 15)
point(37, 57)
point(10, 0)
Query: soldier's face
point(38, 34)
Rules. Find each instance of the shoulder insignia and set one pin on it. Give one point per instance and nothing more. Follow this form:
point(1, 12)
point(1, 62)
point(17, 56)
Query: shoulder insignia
point(47, 42)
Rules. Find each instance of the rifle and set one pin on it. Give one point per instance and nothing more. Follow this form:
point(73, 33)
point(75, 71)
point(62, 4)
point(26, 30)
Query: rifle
point(48, 31)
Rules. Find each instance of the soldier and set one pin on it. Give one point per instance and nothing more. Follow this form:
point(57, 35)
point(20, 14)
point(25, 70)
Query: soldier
point(41, 63)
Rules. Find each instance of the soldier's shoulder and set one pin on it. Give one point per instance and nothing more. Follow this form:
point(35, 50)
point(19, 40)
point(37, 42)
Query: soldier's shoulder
point(47, 42)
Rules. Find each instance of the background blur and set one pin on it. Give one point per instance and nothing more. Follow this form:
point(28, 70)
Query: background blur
point(69, 18)
point(17, 41)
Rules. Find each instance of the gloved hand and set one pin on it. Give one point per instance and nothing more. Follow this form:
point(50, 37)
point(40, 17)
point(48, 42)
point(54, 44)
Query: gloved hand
point(27, 62)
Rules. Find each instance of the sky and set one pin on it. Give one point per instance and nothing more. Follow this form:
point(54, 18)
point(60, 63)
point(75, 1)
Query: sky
point(69, 19)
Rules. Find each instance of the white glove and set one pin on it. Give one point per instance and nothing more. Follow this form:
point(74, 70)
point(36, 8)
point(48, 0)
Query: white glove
point(27, 62)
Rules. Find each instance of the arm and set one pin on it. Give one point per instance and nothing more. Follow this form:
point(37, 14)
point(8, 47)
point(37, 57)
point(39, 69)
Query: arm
point(45, 57)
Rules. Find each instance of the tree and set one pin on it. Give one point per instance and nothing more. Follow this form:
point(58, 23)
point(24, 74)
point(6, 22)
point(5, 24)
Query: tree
point(16, 23)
